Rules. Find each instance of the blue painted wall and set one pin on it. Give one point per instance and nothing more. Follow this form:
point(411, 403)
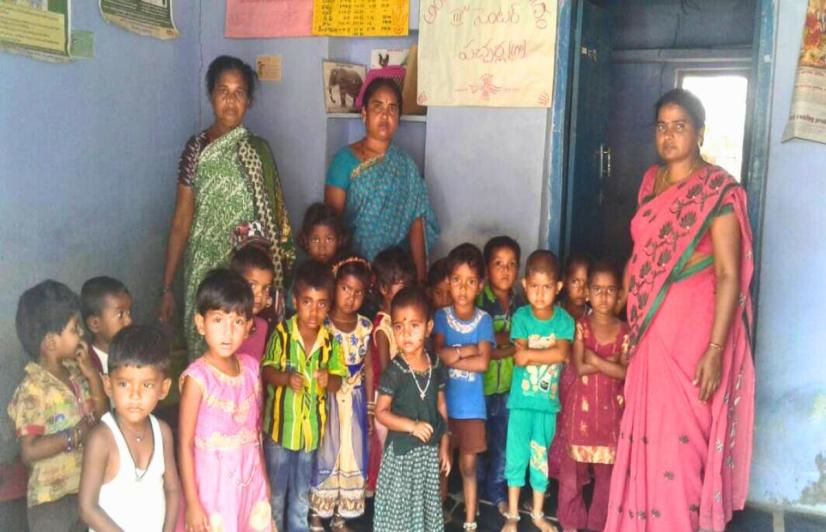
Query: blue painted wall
point(790, 440)
point(88, 153)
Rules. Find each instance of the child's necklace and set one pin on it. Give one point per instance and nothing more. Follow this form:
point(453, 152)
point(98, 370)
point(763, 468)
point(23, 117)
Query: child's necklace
point(139, 474)
point(422, 391)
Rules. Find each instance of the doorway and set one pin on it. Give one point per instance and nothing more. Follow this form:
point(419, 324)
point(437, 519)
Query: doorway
point(624, 56)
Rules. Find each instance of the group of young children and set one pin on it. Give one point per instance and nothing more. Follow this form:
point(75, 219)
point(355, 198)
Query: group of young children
point(370, 387)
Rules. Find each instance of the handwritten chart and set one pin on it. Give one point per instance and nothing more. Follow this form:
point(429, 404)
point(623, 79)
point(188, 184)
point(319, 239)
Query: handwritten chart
point(496, 53)
point(360, 18)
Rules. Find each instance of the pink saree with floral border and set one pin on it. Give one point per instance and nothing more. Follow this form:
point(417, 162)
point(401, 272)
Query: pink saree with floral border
point(683, 464)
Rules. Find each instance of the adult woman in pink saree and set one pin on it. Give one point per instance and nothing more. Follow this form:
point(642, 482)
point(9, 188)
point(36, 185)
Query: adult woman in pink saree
point(684, 450)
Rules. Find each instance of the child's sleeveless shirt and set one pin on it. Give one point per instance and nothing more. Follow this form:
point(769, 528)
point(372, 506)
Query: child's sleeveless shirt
point(135, 498)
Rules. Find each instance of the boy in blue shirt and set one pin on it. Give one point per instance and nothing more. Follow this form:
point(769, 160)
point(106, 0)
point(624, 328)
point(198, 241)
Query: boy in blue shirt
point(463, 338)
point(542, 333)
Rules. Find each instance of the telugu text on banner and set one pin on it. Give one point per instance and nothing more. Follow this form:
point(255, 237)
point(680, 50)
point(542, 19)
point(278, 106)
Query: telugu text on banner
point(360, 18)
point(152, 18)
point(268, 18)
point(497, 53)
point(807, 119)
point(36, 28)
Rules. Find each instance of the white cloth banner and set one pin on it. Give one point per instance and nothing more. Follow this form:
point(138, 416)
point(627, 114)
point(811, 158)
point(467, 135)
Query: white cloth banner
point(497, 53)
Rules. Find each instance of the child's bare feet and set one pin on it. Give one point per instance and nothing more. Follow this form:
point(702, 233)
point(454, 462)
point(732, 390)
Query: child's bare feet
point(511, 522)
point(315, 523)
point(541, 523)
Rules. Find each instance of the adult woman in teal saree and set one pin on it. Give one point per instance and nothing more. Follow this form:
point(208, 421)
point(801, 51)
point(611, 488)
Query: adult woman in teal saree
point(227, 178)
point(378, 187)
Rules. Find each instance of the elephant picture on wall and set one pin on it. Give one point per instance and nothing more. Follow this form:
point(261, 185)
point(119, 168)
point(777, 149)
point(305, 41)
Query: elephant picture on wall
point(342, 83)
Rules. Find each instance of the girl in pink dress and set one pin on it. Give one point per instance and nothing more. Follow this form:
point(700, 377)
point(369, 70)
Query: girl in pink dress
point(222, 468)
point(593, 404)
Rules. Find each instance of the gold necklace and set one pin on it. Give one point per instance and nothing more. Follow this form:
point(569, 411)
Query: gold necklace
point(665, 177)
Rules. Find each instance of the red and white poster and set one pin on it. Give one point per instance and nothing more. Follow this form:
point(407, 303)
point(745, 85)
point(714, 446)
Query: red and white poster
point(252, 19)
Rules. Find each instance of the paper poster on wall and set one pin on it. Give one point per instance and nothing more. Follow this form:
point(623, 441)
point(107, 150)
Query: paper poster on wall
point(152, 18)
point(342, 83)
point(268, 18)
point(807, 119)
point(268, 67)
point(496, 53)
point(36, 28)
point(382, 57)
point(366, 18)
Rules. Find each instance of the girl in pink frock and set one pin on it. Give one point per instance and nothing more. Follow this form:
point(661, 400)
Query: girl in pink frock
point(222, 469)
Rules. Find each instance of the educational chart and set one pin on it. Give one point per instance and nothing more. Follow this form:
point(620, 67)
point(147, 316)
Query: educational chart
point(807, 119)
point(268, 18)
point(496, 53)
point(360, 18)
point(152, 18)
point(36, 28)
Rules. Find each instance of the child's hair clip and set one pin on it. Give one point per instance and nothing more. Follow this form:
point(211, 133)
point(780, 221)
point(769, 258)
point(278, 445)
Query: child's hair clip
point(350, 260)
point(249, 233)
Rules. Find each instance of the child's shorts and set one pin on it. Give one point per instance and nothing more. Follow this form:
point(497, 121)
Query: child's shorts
point(467, 435)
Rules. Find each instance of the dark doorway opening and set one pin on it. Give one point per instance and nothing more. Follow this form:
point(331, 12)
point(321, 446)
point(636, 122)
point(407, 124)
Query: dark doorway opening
point(624, 56)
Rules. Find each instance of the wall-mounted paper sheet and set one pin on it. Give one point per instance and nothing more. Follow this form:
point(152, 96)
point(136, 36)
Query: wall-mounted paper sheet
point(268, 18)
point(268, 67)
point(497, 53)
point(152, 18)
point(35, 28)
point(807, 119)
point(360, 18)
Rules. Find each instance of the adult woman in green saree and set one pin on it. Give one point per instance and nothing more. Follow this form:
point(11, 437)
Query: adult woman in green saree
point(226, 178)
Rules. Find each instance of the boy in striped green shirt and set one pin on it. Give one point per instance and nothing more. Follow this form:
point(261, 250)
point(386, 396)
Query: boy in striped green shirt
point(301, 364)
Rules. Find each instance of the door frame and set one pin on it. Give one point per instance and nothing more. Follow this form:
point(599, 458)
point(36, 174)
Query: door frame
point(756, 151)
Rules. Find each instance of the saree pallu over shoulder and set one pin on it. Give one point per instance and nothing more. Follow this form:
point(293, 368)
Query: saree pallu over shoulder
point(262, 174)
point(666, 230)
point(386, 195)
point(683, 464)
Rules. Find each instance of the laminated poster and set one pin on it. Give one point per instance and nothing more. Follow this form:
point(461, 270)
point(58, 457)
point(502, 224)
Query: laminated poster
point(268, 18)
point(37, 28)
point(152, 18)
point(807, 119)
point(496, 53)
point(360, 18)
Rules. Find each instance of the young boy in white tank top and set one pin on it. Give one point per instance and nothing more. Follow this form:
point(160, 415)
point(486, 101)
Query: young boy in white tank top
point(129, 480)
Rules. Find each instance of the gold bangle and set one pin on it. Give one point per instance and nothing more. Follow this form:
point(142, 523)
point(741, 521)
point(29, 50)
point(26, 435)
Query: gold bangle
point(715, 346)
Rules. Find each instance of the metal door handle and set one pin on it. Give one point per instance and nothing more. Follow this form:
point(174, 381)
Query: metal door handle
point(604, 154)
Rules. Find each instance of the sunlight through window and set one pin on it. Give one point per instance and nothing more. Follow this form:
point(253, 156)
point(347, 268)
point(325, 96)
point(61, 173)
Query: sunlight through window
point(724, 96)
